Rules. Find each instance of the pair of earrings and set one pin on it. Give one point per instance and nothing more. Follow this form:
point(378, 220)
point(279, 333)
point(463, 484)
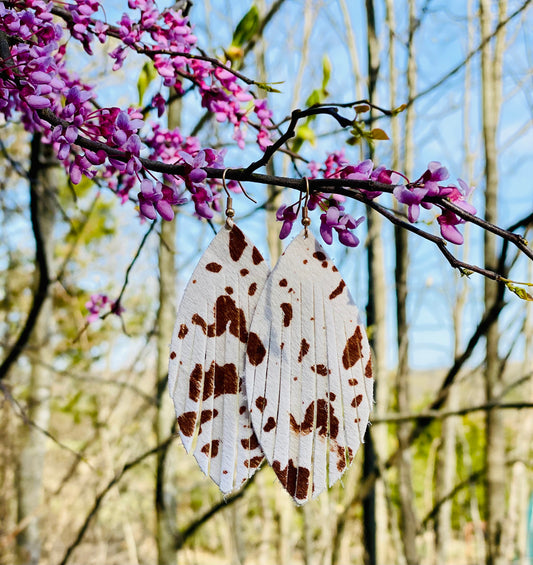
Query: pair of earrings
point(273, 364)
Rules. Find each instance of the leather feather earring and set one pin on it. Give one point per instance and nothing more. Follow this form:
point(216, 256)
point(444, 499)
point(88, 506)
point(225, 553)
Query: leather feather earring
point(308, 370)
point(206, 377)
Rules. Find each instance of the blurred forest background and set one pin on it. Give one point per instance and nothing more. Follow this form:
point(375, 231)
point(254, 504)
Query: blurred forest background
point(91, 468)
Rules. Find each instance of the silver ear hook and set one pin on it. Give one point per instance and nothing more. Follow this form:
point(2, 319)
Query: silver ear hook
point(306, 220)
point(230, 212)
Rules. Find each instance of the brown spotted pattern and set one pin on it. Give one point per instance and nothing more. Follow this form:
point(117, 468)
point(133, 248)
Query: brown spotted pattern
point(206, 367)
point(308, 371)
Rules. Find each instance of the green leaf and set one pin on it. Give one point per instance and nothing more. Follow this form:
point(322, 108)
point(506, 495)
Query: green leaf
point(266, 86)
point(246, 28)
point(378, 133)
point(313, 98)
point(148, 73)
point(520, 292)
point(303, 133)
point(399, 109)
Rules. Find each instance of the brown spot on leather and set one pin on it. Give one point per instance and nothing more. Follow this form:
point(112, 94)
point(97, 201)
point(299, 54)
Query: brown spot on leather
point(226, 379)
point(325, 412)
point(332, 396)
point(352, 350)
point(211, 449)
point(304, 350)
point(197, 320)
point(254, 462)
point(206, 416)
point(306, 427)
point(195, 382)
point(334, 269)
point(237, 243)
point(226, 312)
point(282, 345)
point(270, 424)
point(281, 473)
point(368, 369)
point(184, 330)
point(294, 479)
point(194, 281)
point(357, 400)
point(213, 267)
point(338, 290)
point(252, 289)
point(283, 282)
point(255, 350)
point(173, 355)
point(256, 256)
point(186, 422)
point(244, 272)
point(319, 256)
point(305, 261)
point(242, 410)
point(250, 443)
point(320, 369)
point(261, 403)
point(352, 382)
point(209, 382)
point(341, 461)
point(287, 313)
point(229, 290)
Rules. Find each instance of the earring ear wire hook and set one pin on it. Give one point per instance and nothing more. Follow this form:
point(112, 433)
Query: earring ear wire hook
point(306, 220)
point(230, 212)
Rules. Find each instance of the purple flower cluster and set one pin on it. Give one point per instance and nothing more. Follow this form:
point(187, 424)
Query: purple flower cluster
point(334, 217)
point(97, 303)
point(416, 194)
point(169, 146)
point(35, 77)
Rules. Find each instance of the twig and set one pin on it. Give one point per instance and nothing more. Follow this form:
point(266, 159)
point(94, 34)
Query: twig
point(184, 534)
point(431, 515)
point(130, 266)
point(472, 53)
point(100, 497)
point(291, 131)
point(441, 415)
point(29, 422)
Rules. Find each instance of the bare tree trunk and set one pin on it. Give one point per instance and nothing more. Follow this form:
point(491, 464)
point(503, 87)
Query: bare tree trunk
point(44, 178)
point(408, 522)
point(514, 546)
point(495, 436)
point(447, 462)
point(376, 308)
point(166, 490)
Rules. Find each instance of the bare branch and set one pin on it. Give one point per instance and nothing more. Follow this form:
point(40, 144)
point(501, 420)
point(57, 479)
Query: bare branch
point(41, 263)
point(101, 495)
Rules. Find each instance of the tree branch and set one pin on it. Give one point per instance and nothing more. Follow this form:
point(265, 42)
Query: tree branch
point(183, 535)
point(348, 187)
point(101, 495)
point(41, 263)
